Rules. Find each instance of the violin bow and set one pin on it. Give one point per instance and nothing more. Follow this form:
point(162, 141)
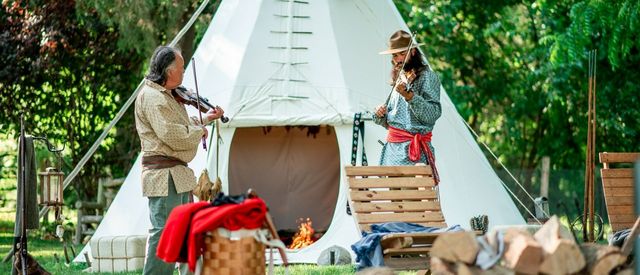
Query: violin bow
point(406, 57)
point(195, 81)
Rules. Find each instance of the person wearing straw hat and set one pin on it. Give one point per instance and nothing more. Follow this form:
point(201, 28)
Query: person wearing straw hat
point(412, 107)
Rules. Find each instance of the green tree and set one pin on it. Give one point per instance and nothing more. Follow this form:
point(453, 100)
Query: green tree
point(517, 72)
point(611, 28)
point(144, 25)
point(65, 75)
point(73, 64)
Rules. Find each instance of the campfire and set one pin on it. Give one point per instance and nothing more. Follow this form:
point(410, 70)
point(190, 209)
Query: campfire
point(304, 236)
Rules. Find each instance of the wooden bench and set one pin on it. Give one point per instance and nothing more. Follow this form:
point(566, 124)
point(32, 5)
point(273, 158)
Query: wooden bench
point(617, 185)
point(379, 194)
point(90, 213)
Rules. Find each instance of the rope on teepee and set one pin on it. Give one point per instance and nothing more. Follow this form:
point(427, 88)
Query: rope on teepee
point(511, 175)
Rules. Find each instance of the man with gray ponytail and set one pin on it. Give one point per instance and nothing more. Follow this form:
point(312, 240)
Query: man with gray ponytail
point(169, 140)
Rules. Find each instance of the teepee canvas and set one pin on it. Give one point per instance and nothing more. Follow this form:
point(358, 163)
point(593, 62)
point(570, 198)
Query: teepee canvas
point(290, 76)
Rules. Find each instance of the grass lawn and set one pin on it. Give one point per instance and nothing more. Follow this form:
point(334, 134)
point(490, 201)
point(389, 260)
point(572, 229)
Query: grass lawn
point(44, 251)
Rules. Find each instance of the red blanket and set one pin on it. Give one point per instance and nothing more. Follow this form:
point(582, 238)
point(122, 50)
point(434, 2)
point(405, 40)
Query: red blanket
point(190, 222)
point(174, 235)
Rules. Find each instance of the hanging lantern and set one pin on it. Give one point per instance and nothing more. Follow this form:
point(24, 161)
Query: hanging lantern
point(51, 187)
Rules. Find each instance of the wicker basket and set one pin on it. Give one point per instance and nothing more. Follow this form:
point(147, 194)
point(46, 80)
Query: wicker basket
point(224, 256)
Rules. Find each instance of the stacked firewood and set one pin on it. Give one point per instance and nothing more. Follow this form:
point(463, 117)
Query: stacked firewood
point(551, 250)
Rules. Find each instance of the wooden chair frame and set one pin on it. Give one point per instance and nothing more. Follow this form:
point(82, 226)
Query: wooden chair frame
point(617, 186)
point(379, 194)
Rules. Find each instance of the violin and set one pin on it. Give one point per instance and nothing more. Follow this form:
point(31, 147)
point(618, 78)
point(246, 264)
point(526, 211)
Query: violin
point(407, 78)
point(402, 77)
point(184, 96)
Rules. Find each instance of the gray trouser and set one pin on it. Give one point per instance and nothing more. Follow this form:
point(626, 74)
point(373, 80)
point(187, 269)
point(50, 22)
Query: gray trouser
point(159, 209)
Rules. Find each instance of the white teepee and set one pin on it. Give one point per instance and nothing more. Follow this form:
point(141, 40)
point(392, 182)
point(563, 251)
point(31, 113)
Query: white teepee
point(272, 64)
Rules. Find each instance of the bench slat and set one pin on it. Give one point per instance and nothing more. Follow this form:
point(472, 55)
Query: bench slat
point(377, 195)
point(394, 171)
point(620, 210)
point(413, 206)
point(618, 201)
point(618, 182)
point(391, 183)
point(611, 201)
point(617, 192)
point(620, 222)
point(623, 218)
point(617, 173)
point(408, 250)
point(606, 157)
point(401, 217)
point(621, 226)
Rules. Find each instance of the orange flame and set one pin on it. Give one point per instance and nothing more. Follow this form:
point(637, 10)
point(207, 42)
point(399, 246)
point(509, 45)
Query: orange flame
point(303, 237)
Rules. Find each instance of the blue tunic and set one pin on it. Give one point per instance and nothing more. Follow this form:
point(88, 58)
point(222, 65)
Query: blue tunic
point(416, 116)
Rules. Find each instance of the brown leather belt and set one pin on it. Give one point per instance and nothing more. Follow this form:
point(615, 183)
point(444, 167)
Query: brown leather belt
point(160, 162)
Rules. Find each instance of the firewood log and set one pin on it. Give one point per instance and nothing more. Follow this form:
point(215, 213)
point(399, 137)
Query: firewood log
point(628, 271)
point(561, 253)
point(441, 267)
point(602, 259)
point(464, 269)
point(628, 245)
point(522, 253)
point(456, 247)
point(498, 270)
point(376, 271)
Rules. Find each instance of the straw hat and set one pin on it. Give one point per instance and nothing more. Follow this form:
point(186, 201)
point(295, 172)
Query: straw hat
point(399, 41)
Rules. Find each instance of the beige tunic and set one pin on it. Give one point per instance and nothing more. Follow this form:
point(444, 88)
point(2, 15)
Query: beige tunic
point(165, 129)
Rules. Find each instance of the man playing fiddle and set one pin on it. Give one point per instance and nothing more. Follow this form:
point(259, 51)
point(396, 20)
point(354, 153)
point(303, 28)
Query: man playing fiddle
point(169, 139)
point(412, 108)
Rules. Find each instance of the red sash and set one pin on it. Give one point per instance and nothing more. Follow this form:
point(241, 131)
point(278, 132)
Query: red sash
point(418, 143)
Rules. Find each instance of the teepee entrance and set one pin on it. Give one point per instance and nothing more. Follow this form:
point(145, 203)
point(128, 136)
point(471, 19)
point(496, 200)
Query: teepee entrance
point(295, 169)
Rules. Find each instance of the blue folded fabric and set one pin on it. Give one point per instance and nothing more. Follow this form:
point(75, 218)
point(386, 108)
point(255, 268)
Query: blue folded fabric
point(368, 250)
point(618, 238)
point(487, 256)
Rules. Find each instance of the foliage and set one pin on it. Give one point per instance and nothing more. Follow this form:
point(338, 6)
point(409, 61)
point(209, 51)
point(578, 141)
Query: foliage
point(613, 29)
point(611, 26)
point(143, 25)
point(67, 79)
point(517, 72)
point(8, 159)
point(72, 65)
